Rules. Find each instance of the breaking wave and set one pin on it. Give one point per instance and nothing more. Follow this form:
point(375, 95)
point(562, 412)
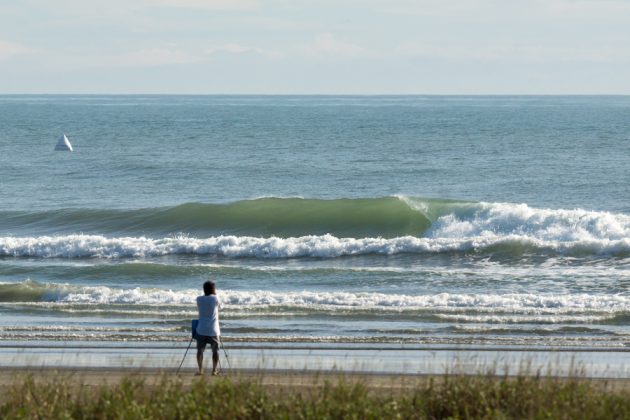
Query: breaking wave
point(336, 228)
point(470, 307)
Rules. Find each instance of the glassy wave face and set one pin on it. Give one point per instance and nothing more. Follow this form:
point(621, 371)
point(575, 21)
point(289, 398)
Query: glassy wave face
point(299, 228)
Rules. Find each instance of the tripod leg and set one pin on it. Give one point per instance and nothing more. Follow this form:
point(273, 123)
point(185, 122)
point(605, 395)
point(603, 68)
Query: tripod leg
point(180, 365)
point(226, 356)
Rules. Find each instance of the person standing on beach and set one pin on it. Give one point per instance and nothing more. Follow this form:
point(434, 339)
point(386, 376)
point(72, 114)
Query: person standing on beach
point(208, 331)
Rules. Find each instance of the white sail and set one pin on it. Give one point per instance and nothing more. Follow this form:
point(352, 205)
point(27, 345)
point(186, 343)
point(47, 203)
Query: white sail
point(63, 144)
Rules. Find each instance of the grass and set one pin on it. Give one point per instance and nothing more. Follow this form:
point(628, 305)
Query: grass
point(450, 396)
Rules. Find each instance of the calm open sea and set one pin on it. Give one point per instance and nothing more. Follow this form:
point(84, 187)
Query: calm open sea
point(501, 221)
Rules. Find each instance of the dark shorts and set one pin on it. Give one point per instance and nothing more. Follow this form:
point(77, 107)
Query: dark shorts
point(202, 340)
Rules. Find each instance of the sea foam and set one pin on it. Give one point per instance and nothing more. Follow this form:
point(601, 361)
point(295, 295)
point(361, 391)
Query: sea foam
point(467, 304)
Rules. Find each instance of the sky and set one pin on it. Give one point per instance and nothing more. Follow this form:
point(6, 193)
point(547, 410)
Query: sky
point(315, 46)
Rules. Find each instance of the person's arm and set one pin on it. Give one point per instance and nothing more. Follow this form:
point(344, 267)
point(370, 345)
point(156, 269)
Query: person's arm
point(198, 306)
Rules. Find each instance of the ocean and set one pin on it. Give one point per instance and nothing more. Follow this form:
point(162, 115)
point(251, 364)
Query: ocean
point(383, 221)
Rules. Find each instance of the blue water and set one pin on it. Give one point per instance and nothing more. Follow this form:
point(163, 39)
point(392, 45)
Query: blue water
point(397, 219)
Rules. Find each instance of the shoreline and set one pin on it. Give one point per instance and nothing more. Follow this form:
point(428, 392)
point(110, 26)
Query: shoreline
point(260, 357)
point(328, 346)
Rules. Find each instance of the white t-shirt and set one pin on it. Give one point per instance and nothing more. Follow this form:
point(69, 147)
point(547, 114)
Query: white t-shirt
point(208, 307)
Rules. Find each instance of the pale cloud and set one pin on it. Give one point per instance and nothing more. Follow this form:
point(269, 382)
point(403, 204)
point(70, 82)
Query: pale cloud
point(125, 15)
point(232, 48)
point(484, 10)
point(208, 4)
point(445, 52)
point(10, 49)
point(517, 53)
point(169, 53)
point(327, 44)
point(72, 59)
point(587, 9)
point(154, 57)
point(124, 6)
point(431, 8)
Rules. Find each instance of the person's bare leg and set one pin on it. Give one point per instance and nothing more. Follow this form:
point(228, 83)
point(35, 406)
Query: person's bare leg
point(215, 362)
point(200, 362)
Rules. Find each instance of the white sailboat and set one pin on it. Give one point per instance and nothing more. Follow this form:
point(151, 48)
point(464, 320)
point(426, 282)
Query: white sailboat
point(64, 144)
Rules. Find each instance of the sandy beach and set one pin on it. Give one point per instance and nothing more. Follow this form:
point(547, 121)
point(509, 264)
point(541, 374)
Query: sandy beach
point(273, 381)
point(153, 377)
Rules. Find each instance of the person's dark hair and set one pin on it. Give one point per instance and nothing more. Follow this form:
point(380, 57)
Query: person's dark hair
point(209, 288)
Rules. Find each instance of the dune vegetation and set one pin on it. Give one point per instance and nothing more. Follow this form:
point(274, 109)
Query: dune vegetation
point(449, 396)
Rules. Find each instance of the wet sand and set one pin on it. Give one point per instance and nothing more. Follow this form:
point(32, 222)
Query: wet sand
point(313, 359)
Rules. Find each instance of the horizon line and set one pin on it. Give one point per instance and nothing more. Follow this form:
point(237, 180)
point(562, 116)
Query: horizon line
point(315, 94)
